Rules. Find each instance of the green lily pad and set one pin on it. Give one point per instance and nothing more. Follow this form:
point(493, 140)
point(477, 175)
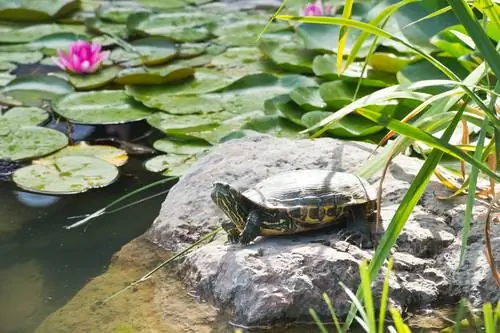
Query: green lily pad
point(277, 126)
point(7, 66)
point(181, 124)
point(67, 175)
point(177, 26)
point(101, 107)
point(171, 164)
point(32, 90)
point(22, 116)
point(189, 50)
point(288, 56)
point(110, 154)
point(180, 147)
point(245, 59)
point(119, 13)
point(105, 28)
point(49, 44)
point(153, 75)
point(21, 57)
point(36, 10)
point(325, 66)
point(337, 94)
point(18, 33)
point(5, 78)
point(284, 106)
point(308, 98)
point(350, 126)
point(388, 62)
point(94, 80)
point(146, 51)
point(31, 142)
point(162, 4)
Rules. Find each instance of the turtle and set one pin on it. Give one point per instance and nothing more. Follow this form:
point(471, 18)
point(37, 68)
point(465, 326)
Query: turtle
point(298, 201)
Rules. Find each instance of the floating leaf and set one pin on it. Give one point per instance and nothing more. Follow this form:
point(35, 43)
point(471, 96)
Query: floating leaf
point(288, 56)
point(21, 57)
point(109, 154)
point(277, 126)
point(146, 51)
point(153, 75)
point(18, 33)
point(245, 59)
point(67, 175)
point(101, 107)
point(283, 105)
point(350, 126)
point(36, 10)
point(308, 98)
point(189, 50)
point(180, 147)
point(177, 26)
point(162, 4)
point(30, 142)
point(171, 164)
point(49, 44)
point(22, 116)
point(5, 78)
point(94, 80)
point(105, 28)
point(119, 13)
point(7, 66)
point(388, 62)
point(181, 124)
point(337, 94)
point(32, 90)
point(325, 66)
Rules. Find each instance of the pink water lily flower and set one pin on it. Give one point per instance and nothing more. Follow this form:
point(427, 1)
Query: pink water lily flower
point(317, 9)
point(82, 57)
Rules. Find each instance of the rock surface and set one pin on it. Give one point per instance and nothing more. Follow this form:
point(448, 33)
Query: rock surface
point(279, 279)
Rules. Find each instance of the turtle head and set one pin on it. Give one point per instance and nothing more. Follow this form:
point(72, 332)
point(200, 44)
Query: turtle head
point(232, 202)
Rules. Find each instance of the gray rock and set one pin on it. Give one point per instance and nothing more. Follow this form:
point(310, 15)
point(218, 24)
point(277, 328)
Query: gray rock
point(279, 279)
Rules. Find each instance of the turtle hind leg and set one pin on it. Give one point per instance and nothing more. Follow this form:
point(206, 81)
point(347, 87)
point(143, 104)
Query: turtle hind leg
point(252, 228)
point(360, 226)
point(233, 234)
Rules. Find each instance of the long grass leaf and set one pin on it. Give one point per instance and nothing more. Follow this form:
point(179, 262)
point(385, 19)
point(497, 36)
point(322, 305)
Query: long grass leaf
point(317, 321)
point(404, 210)
point(385, 296)
point(346, 13)
point(356, 303)
point(367, 291)
point(459, 316)
point(335, 319)
point(401, 327)
point(427, 17)
point(489, 324)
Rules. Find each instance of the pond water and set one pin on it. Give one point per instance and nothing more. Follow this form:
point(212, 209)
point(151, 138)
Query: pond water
point(43, 265)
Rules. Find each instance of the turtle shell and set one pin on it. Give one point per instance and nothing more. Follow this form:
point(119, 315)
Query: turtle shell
point(312, 196)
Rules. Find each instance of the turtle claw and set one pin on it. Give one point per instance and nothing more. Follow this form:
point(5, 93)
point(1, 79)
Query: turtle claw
point(357, 238)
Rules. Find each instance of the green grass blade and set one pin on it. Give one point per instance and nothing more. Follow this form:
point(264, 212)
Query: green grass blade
point(317, 321)
point(333, 314)
point(401, 327)
point(489, 324)
point(460, 315)
point(385, 296)
point(346, 13)
point(356, 303)
point(431, 15)
point(404, 210)
point(465, 15)
point(417, 134)
point(367, 291)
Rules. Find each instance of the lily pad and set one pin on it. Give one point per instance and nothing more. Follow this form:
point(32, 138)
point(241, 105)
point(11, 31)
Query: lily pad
point(119, 13)
point(146, 51)
point(7, 66)
point(67, 175)
point(49, 44)
point(32, 90)
point(289, 56)
point(171, 164)
point(350, 126)
point(337, 94)
point(246, 59)
point(101, 107)
point(31, 142)
point(189, 50)
point(388, 62)
point(153, 75)
point(36, 10)
point(22, 116)
point(110, 154)
point(18, 33)
point(106, 28)
point(284, 106)
point(277, 126)
point(21, 57)
point(308, 98)
point(5, 78)
point(189, 26)
point(180, 147)
point(94, 80)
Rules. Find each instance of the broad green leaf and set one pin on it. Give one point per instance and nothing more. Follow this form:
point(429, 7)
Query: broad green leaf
point(101, 107)
point(451, 44)
point(180, 147)
point(67, 175)
point(49, 44)
point(189, 50)
point(388, 62)
point(21, 57)
point(32, 90)
point(288, 56)
point(337, 94)
point(180, 124)
point(18, 33)
point(22, 116)
point(119, 13)
point(109, 154)
point(245, 59)
point(171, 164)
point(5, 78)
point(35, 10)
point(178, 26)
point(94, 80)
point(162, 4)
point(30, 142)
point(97, 26)
point(277, 126)
point(308, 98)
point(241, 30)
point(283, 105)
point(325, 67)
point(146, 51)
point(153, 75)
point(7, 66)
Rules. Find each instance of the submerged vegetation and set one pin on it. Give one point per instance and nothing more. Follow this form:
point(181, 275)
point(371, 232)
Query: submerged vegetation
point(417, 77)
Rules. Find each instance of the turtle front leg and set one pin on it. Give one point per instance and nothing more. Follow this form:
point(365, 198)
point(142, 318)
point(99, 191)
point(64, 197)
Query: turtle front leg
point(360, 226)
point(233, 234)
point(252, 228)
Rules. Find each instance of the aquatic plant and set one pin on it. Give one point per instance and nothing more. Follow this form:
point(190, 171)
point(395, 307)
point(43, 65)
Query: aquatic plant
point(82, 57)
point(317, 8)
